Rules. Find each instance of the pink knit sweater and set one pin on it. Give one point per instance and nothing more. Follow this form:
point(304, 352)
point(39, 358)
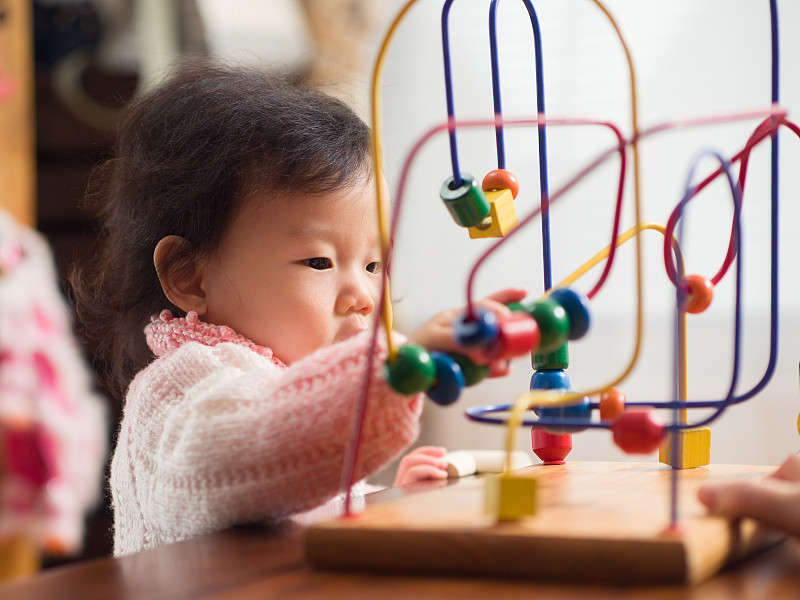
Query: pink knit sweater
point(217, 431)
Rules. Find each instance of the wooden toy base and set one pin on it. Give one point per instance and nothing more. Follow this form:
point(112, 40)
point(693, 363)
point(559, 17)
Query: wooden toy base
point(595, 522)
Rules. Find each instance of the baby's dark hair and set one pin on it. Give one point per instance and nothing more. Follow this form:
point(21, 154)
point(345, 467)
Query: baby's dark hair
point(187, 153)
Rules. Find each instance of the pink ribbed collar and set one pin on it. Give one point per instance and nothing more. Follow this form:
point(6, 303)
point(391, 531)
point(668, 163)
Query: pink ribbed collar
point(166, 333)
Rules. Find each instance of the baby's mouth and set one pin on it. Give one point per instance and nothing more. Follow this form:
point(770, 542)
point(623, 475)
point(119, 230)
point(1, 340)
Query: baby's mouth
point(350, 330)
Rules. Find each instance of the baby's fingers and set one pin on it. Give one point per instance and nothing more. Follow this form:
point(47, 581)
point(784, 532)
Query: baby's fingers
point(424, 463)
point(771, 501)
point(421, 473)
point(508, 295)
point(436, 451)
point(790, 469)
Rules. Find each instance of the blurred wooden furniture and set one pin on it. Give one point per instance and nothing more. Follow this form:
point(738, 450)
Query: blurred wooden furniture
point(18, 557)
point(255, 562)
point(17, 167)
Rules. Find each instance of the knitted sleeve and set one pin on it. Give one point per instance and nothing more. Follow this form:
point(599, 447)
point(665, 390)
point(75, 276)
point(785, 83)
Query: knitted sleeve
point(214, 436)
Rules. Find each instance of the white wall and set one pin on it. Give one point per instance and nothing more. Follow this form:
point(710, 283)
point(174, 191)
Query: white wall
point(692, 59)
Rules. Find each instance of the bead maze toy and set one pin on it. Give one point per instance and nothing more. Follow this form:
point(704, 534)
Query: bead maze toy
point(590, 521)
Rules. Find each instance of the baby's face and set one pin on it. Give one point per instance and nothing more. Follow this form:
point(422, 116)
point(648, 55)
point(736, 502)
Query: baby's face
point(298, 273)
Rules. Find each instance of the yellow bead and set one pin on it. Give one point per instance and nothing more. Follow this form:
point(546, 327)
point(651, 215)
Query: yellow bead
point(694, 448)
point(502, 217)
point(510, 497)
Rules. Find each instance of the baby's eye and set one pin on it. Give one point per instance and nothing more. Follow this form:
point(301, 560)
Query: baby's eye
point(318, 262)
point(375, 267)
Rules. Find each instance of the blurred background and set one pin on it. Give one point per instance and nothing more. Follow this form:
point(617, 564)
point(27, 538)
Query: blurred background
point(78, 63)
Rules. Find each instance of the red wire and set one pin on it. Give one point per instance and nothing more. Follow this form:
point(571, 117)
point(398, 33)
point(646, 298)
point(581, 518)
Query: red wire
point(765, 129)
point(351, 456)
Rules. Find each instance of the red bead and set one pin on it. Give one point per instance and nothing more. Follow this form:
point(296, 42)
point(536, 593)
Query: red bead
point(700, 292)
point(612, 404)
point(551, 448)
point(639, 432)
point(517, 335)
point(500, 179)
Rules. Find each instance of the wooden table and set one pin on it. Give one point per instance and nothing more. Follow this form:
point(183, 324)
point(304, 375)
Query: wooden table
point(256, 562)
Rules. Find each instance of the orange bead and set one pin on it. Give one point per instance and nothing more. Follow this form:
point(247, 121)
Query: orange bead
point(699, 295)
point(612, 404)
point(500, 179)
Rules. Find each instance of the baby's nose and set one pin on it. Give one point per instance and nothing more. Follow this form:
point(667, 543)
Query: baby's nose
point(357, 296)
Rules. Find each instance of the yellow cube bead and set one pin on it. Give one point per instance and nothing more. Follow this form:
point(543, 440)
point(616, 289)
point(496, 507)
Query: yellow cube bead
point(694, 448)
point(502, 217)
point(510, 497)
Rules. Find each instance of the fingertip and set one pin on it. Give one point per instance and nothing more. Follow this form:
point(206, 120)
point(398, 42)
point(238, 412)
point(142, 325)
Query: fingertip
point(708, 494)
point(516, 293)
point(499, 368)
point(436, 451)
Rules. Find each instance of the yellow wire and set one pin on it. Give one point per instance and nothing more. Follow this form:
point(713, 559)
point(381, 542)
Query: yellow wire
point(636, 194)
point(551, 398)
point(535, 398)
point(380, 179)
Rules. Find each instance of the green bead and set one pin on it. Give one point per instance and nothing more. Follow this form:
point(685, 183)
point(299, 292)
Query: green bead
point(517, 307)
point(557, 359)
point(467, 203)
point(553, 324)
point(472, 373)
point(411, 371)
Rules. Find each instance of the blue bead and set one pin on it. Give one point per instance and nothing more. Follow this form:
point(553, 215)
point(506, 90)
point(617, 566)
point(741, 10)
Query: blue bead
point(558, 380)
point(577, 308)
point(449, 380)
point(478, 332)
point(582, 410)
point(550, 380)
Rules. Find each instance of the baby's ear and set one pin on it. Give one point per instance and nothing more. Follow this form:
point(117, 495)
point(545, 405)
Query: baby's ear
point(182, 281)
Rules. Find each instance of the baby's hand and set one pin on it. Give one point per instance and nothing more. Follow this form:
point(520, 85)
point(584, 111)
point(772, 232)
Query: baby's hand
point(773, 500)
point(425, 462)
point(437, 333)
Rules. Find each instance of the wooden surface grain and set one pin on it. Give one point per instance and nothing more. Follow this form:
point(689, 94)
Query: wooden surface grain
point(595, 521)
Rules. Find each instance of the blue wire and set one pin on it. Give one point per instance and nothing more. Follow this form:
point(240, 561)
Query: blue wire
point(498, 109)
point(774, 203)
point(674, 430)
point(542, 136)
point(737, 208)
point(476, 413)
point(448, 88)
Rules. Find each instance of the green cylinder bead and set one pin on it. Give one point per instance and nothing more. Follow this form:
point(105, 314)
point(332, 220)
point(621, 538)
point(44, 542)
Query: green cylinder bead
point(553, 324)
point(411, 371)
point(467, 203)
point(472, 373)
point(557, 359)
